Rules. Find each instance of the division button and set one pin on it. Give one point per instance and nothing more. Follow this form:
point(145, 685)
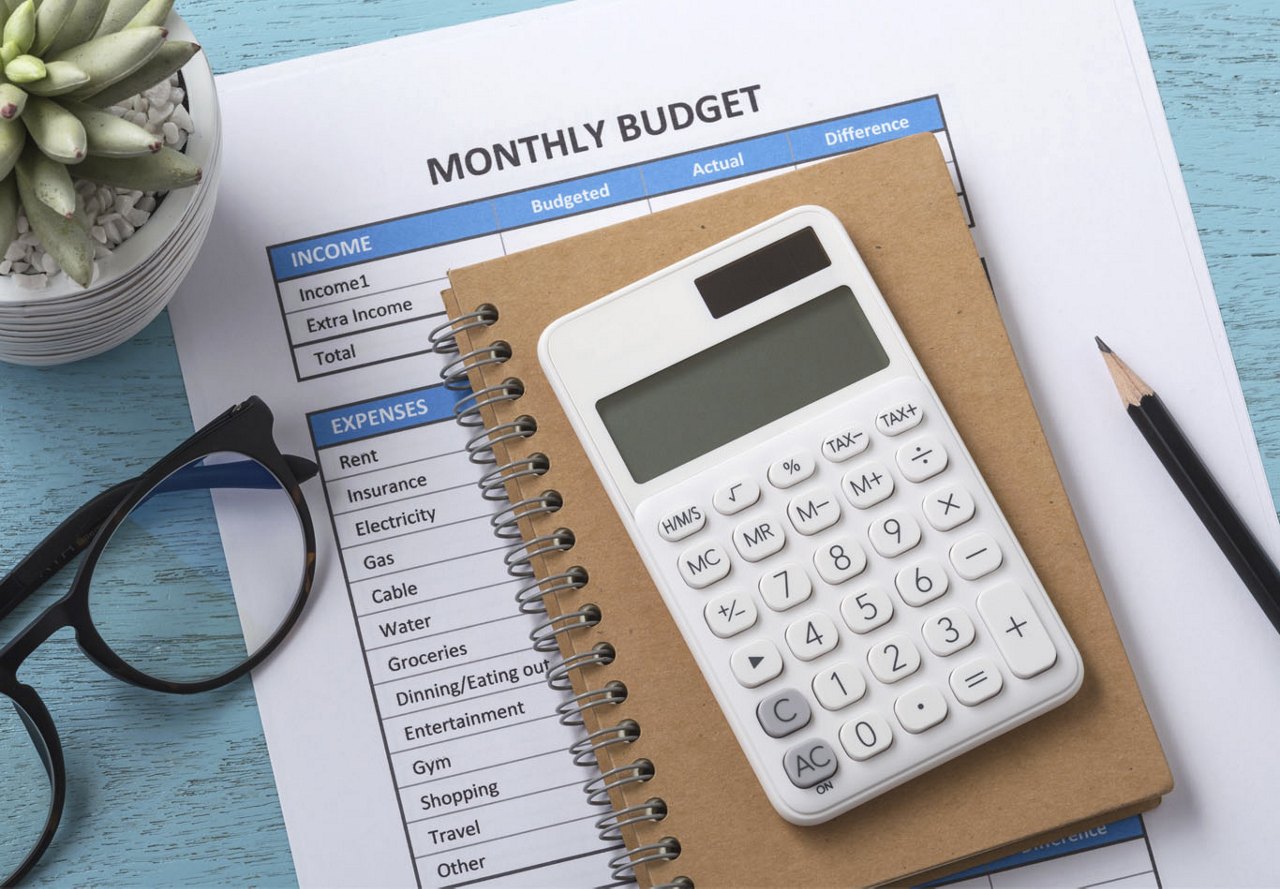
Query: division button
point(864, 737)
point(867, 484)
point(814, 511)
point(840, 446)
point(1017, 629)
point(680, 523)
point(730, 614)
point(783, 713)
point(976, 681)
point(736, 496)
point(920, 709)
point(976, 556)
point(792, 470)
point(922, 458)
point(701, 566)
point(759, 538)
point(756, 663)
point(899, 418)
point(948, 507)
point(810, 763)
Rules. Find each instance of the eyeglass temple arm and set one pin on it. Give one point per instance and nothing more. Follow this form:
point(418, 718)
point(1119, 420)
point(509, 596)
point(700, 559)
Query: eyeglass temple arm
point(71, 537)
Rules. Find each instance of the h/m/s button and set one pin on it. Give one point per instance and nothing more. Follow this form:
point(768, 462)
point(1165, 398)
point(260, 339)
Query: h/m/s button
point(680, 523)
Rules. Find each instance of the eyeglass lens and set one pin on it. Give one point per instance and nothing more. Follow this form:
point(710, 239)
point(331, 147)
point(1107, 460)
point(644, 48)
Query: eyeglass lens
point(160, 594)
point(26, 788)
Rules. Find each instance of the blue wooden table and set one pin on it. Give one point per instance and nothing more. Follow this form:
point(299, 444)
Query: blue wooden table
point(178, 791)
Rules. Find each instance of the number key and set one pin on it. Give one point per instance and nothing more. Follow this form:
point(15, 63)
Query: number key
point(866, 610)
point(894, 534)
point(785, 587)
point(812, 636)
point(921, 582)
point(949, 632)
point(839, 686)
point(839, 560)
point(865, 737)
point(895, 658)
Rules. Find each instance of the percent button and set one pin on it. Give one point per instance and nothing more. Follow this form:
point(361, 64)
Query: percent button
point(792, 470)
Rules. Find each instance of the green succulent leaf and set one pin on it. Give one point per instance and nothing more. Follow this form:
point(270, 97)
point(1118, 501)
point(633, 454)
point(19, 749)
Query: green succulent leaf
point(13, 135)
point(8, 211)
point(153, 13)
point(60, 78)
point(21, 26)
point(172, 56)
point(118, 14)
point(9, 51)
point(111, 136)
point(112, 58)
point(50, 18)
point(13, 100)
point(80, 26)
point(24, 69)
point(65, 239)
point(50, 181)
point(56, 130)
point(166, 169)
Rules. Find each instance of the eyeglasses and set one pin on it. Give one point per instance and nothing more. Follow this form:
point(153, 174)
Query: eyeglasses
point(151, 603)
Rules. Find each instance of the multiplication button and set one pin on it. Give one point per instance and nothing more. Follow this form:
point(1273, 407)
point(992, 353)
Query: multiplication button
point(756, 663)
point(948, 507)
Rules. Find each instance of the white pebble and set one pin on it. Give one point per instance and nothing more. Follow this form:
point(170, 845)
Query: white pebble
point(176, 95)
point(137, 218)
point(157, 115)
point(182, 118)
point(20, 266)
point(49, 264)
point(148, 203)
point(125, 203)
point(158, 94)
point(101, 250)
point(171, 133)
point(5, 267)
point(32, 282)
point(138, 117)
point(24, 224)
point(98, 233)
point(114, 235)
point(16, 251)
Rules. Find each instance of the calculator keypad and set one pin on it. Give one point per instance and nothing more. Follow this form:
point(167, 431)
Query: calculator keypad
point(862, 611)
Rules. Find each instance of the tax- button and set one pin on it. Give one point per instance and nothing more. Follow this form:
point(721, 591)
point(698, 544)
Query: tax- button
point(783, 713)
point(680, 523)
point(759, 538)
point(899, 418)
point(1017, 629)
point(846, 443)
point(810, 763)
point(701, 566)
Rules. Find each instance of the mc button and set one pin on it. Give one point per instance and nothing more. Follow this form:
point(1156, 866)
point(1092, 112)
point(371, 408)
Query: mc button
point(701, 566)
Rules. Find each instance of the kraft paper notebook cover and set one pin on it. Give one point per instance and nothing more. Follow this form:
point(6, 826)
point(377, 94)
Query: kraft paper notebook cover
point(1089, 761)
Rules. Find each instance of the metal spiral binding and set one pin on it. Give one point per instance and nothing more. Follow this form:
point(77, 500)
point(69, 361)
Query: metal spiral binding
point(480, 446)
point(531, 597)
point(506, 524)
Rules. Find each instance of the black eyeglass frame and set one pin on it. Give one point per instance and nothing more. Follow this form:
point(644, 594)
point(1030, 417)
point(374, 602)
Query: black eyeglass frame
point(244, 429)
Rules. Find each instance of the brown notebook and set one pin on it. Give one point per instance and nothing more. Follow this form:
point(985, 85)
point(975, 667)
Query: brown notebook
point(1094, 759)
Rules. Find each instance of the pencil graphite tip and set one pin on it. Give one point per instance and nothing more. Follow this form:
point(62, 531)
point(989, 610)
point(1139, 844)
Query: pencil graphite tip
point(1102, 347)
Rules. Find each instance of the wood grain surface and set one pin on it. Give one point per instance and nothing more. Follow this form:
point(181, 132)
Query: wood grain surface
point(178, 791)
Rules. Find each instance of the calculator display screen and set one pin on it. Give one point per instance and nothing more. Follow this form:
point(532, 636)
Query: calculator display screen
point(747, 381)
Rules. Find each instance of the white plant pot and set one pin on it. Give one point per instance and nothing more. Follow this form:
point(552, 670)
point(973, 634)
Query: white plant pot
point(65, 322)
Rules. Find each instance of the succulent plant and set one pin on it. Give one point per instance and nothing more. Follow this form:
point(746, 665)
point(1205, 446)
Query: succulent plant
point(64, 63)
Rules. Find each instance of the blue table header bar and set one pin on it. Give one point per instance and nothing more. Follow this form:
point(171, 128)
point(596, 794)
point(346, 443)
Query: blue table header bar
point(870, 128)
point(382, 415)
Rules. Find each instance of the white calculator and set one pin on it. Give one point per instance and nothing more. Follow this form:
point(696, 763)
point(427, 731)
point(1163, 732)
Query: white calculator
point(831, 554)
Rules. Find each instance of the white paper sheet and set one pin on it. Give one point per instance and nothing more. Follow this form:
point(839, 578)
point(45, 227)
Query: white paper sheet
point(1050, 117)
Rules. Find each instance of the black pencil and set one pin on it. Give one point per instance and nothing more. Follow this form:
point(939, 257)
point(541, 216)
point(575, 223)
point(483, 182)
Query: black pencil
point(1237, 542)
